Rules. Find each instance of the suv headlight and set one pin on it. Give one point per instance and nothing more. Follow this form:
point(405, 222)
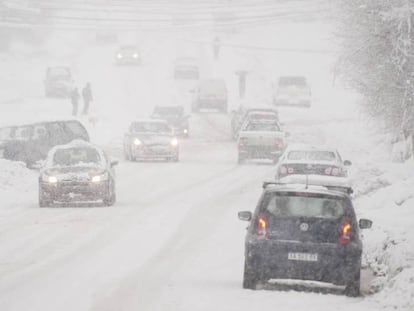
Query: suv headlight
point(99, 178)
point(119, 55)
point(135, 55)
point(49, 179)
point(137, 142)
point(174, 142)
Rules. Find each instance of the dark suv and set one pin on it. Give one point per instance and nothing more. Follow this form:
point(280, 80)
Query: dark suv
point(30, 143)
point(303, 232)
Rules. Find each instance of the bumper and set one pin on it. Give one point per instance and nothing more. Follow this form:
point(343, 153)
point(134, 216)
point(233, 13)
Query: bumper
point(128, 61)
point(335, 264)
point(74, 191)
point(293, 102)
point(260, 152)
point(154, 152)
point(58, 91)
point(215, 103)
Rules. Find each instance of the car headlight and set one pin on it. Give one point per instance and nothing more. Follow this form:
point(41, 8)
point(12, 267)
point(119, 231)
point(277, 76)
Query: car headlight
point(174, 142)
point(99, 178)
point(119, 55)
point(185, 131)
point(137, 142)
point(135, 55)
point(49, 179)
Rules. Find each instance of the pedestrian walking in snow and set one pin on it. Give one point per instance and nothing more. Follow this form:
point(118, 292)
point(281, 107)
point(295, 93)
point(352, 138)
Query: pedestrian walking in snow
point(216, 47)
point(74, 98)
point(87, 97)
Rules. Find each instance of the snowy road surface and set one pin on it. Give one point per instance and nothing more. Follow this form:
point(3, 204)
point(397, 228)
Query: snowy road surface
point(173, 241)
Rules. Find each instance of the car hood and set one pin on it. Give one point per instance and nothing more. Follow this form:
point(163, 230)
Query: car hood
point(75, 173)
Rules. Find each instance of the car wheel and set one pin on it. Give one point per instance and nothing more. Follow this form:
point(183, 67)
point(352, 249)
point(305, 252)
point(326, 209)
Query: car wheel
point(352, 289)
point(127, 154)
point(250, 278)
point(42, 201)
point(241, 160)
point(110, 198)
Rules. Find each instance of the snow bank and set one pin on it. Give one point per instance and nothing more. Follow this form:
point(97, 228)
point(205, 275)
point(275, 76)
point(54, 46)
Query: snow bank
point(15, 178)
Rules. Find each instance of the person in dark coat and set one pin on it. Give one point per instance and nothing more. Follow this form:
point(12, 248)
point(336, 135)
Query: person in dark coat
point(216, 47)
point(87, 97)
point(74, 98)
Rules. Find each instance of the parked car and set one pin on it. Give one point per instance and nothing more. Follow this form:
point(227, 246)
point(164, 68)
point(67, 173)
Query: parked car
point(31, 143)
point(58, 82)
point(77, 172)
point(210, 94)
point(303, 232)
point(311, 160)
point(261, 139)
point(186, 68)
point(149, 140)
point(292, 91)
point(243, 114)
point(175, 117)
point(128, 55)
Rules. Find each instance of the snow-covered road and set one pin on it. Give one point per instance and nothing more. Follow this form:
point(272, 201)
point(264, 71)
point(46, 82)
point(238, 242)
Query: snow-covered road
point(173, 240)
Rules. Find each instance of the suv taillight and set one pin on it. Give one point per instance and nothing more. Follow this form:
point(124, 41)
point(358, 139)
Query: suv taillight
point(333, 171)
point(345, 234)
point(262, 222)
point(279, 143)
point(243, 141)
point(285, 170)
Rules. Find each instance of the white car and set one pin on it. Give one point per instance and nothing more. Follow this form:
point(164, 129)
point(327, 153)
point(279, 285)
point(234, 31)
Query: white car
point(292, 91)
point(128, 55)
point(261, 139)
point(311, 160)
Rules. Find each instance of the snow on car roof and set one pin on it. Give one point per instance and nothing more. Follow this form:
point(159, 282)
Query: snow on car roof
point(149, 120)
point(306, 147)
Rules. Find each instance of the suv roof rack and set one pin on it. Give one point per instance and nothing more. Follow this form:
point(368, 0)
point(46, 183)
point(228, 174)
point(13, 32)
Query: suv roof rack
point(340, 188)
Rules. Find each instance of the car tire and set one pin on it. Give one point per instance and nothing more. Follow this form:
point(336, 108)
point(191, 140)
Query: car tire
point(352, 289)
point(42, 201)
point(241, 160)
point(250, 278)
point(110, 198)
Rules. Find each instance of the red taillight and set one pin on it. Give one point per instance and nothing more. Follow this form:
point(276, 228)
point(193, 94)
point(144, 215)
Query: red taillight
point(243, 141)
point(346, 229)
point(262, 226)
point(279, 143)
point(290, 170)
point(334, 171)
point(285, 170)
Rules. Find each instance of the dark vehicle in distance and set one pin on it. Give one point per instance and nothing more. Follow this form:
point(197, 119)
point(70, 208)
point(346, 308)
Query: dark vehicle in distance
point(151, 140)
point(175, 117)
point(186, 68)
point(128, 55)
point(77, 172)
point(31, 143)
point(311, 160)
point(210, 94)
point(303, 232)
point(58, 82)
point(292, 91)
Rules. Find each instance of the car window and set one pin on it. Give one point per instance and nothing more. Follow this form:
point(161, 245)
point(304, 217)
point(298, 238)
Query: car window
point(59, 72)
point(304, 205)
point(168, 111)
point(75, 156)
point(292, 81)
point(40, 132)
point(6, 133)
point(153, 127)
point(272, 127)
point(311, 155)
point(23, 132)
point(77, 130)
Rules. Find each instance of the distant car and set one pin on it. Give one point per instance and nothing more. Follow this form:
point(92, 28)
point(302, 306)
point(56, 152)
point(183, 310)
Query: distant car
point(31, 143)
point(128, 55)
point(150, 140)
point(292, 91)
point(58, 82)
point(261, 139)
point(311, 160)
point(243, 114)
point(210, 94)
point(186, 68)
point(77, 172)
point(175, 117)
point(303, 232)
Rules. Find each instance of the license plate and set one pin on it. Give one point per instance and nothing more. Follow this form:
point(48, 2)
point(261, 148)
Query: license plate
point(303, 257)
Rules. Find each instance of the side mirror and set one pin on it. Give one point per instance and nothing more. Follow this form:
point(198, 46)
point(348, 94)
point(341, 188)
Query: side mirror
point(365, 223)
point(347, 163)
point(114, 163)
point(245, 216)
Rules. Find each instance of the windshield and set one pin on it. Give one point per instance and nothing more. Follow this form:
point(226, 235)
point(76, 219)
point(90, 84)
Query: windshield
point(311, 155)
point(168, 111)
point(293, 81)
point(304, 205)
point(76, 156)
point(153, 127)
point(271, 127)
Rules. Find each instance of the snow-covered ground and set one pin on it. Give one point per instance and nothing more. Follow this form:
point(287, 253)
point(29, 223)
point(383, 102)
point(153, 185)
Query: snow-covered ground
point(173, 240)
